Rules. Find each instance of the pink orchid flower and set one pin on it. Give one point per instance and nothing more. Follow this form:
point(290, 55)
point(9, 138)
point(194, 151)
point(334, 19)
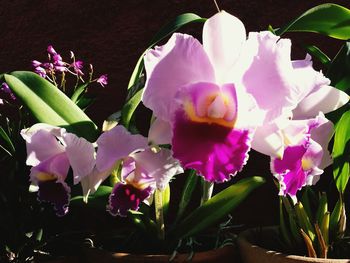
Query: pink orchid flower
point(305, 154)
point(51, 151)
point(215, 100)
point(143, 168)
point(201, 110)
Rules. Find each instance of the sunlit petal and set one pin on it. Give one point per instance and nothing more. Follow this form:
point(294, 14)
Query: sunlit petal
point(180, 61)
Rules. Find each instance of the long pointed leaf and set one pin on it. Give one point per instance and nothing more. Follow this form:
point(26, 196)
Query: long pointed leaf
point(327, 19)
point(341, 152)
point(9, 147)
point(217, 207)
point(49, 105)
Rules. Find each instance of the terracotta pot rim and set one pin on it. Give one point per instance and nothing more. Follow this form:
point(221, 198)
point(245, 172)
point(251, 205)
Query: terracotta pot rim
point(245, 243)
point(203, 256)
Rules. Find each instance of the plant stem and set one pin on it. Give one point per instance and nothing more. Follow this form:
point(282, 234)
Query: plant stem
point(207, 188)
point(158, 202)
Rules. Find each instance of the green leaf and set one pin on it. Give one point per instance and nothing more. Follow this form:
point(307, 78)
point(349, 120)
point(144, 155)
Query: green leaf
point(49, 105)
point(187, 191)
point(217, 207)
point(328, 19)
point(306, 199)
point(325, 227)
point(166, 199)
point(8, 146)
point(334, 220)
point(341, 153)
point(283, 226)
point(339, 70)
point(78, 92)
point(171, 27)
point(317, 53)
point(322, 209)
point(98, 200)
point(304, 221)
point(129, 108)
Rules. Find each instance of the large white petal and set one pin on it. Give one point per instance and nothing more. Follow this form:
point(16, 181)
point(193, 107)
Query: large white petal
point(223, 37)
point(325, 99)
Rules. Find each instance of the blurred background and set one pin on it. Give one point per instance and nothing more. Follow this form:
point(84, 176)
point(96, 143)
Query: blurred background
point(111, 35)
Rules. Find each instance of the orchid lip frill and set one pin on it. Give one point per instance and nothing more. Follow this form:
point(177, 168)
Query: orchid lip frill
point(51, 151)
point(210, 115)
point(305, 154)
point(143, 168)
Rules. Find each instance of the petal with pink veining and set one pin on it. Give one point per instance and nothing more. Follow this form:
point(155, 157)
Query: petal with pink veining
point(181, 61)
point(116, 144)
point(215, 151)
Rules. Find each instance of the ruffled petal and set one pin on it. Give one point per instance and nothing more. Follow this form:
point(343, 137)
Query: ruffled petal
point(116, 144)
point(41, 143)
point(159, 165)
point(160, 132)
point(182, 60)
point(223, 38)
point(125, 197)
point(325, 99)
point(289, 170)
point(269, 77)
point(80, 153)
point(322, 135)
point(215, 151)
point(55, 193)
point(56, 167)
point(306, 78)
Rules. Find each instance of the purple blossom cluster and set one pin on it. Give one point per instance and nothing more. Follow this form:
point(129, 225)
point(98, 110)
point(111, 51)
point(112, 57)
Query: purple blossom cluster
point(55, 66)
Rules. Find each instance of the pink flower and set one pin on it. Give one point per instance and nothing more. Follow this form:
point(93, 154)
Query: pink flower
point(51, 50)
point(102, 80)
point(143, 169)
point(51, 151)
point(305, 153)
point(209, 115)
point(220, 97)
point(77, 66)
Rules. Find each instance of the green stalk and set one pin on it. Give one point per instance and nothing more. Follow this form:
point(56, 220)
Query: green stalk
point(158, 203)
point(207, 188)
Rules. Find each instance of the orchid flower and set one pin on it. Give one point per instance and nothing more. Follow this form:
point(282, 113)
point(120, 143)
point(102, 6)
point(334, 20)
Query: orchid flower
point(284, 89)
point(51, 151)
point(232, 92)
point(305, 154)
point(201, 110)
point(143, 168)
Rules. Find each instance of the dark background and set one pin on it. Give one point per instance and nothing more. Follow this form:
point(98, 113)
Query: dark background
point(112, 34)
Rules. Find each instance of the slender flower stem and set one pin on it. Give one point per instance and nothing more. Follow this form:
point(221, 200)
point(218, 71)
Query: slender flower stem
point(207, 188)
point(217, 6)
point(158, 202)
